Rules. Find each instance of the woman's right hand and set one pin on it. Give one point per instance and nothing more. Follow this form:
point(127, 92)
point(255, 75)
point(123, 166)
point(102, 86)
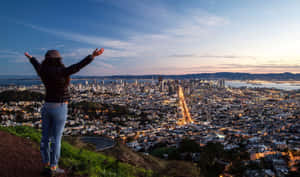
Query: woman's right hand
point(97, 52)
point(27, 55)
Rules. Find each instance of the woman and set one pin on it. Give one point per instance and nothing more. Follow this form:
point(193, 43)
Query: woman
point(56, 79)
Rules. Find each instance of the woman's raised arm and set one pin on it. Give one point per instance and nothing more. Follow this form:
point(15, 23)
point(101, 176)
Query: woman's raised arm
point(34, 62)
point(87, 60)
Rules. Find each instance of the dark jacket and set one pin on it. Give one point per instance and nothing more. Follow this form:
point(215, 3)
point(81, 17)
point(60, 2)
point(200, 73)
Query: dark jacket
point(56, 79)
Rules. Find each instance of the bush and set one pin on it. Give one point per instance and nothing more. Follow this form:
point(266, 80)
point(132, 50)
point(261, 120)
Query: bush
point(188, 145)
point(12, 95)
point(173, 153)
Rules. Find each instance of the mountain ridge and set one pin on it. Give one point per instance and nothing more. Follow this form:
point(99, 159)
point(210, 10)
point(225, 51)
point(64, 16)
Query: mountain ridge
point(204, 76)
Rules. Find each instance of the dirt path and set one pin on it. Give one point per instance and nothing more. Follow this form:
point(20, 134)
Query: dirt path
point(19, 157)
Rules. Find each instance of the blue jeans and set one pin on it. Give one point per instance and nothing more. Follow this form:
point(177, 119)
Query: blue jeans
point(54, 116)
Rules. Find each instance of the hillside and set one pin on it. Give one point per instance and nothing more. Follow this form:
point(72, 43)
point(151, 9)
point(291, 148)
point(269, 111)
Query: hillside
point(19, 152)
point(20, 157)
point(159, 166)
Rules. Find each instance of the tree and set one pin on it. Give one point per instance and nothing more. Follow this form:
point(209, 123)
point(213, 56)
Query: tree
point(187, 145)
point(208, 159)
point(19, 116)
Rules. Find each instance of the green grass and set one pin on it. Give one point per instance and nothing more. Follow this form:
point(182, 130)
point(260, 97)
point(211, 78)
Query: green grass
point(82, 161)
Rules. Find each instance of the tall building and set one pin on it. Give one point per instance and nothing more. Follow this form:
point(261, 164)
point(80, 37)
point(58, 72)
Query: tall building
point(172, 88)
point(221, 83)
point(161, 83)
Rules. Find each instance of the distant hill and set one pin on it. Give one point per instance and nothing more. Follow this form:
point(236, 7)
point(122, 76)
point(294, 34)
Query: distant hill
point(204, 76)
point(13, 95)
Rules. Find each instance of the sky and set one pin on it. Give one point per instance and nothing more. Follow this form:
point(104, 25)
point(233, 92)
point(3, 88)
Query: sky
point(153, 36)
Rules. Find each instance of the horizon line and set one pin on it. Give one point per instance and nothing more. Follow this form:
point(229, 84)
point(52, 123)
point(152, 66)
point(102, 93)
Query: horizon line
point(19, 75)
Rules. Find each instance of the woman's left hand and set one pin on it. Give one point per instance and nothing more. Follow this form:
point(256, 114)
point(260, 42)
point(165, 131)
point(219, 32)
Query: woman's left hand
point(97, 52)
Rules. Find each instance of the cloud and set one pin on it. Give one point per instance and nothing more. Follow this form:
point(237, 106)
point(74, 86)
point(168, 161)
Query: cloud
point(8, 53)
point(107, 55)
point(98, 63)
point(104, 70)
point(224, 68)
point(59, 46)
point(263, 66)
point(211, 20)
point(88, 39)
point(211, 56)
point(78, 53)
point(183, 32)
point(149, 11)
point(12, 56)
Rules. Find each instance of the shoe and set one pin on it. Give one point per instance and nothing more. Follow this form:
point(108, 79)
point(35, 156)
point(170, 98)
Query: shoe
point(57, 171)
point(46, 171)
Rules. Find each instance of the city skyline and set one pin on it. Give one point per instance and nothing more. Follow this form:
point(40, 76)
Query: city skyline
point(258, 124)
point(154, 37)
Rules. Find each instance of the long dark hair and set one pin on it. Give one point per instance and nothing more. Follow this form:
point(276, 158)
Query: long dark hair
point(54, 62)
